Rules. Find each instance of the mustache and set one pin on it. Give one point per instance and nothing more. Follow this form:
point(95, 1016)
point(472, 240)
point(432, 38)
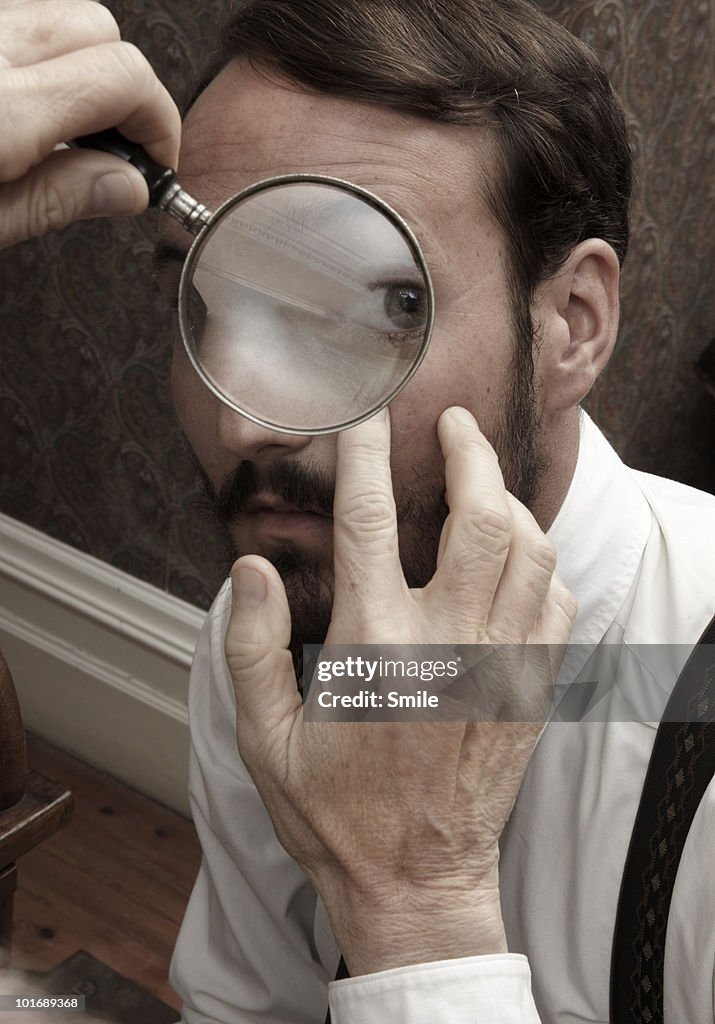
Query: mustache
point(292, 482)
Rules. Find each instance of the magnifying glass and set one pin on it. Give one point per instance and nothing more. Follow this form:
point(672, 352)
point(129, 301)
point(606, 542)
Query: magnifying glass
point(305, 303)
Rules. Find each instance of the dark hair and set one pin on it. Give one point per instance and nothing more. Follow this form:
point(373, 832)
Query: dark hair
point(563, 163)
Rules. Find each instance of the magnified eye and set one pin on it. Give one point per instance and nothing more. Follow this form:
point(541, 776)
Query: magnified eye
point(405, 306)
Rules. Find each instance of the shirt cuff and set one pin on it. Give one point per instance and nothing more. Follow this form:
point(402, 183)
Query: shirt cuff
point(470, 990)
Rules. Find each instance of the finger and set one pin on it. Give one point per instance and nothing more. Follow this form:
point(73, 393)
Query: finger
point(366, 553)
point(267, 697)
point(556, 618)
point(70, 185)
point(525, 580)
point(554, 625)
point(38, 31)
point(110, 85)
point(477, 532)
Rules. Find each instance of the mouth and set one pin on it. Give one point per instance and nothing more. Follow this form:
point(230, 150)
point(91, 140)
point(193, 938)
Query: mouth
point(269, 517)
point(268, 503)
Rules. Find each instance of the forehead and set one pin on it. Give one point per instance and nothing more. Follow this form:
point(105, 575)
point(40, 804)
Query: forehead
point(250, 124)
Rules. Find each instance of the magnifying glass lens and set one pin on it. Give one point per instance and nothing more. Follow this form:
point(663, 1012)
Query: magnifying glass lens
point(306, 306)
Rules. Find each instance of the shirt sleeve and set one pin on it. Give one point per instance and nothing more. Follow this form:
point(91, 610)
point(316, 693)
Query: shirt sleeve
point(472, 990)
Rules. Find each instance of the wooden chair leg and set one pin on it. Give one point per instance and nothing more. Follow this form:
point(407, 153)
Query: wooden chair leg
point(8, 884)
point(32, 807)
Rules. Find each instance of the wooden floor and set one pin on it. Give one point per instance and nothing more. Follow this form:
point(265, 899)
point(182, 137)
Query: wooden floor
point(114, 882)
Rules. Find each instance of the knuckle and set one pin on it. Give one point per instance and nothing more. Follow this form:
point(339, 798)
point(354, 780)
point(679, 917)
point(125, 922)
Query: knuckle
point(542, 553)
point(102, 21)
point(133, 62)
point(565, 605)
point(19, 148)
point(568, 604)
point(462, 567)
point(368, 447)
point(491, 529)
point(30, 30)
point(244, 658)
point(49, 208)
point(371, 513)
point(373, 533)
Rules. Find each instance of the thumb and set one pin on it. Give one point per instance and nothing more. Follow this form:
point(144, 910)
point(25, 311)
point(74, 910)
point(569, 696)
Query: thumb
point(267, 698)
point(69, 185)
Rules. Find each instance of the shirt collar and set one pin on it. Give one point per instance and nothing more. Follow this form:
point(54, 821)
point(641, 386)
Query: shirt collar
point(600, 533)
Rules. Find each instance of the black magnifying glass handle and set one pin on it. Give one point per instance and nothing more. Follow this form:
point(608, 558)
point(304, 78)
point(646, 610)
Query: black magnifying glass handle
point(158, 178)
point(165, 192)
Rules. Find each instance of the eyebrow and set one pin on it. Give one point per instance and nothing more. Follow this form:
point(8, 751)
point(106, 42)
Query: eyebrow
point(167, 254)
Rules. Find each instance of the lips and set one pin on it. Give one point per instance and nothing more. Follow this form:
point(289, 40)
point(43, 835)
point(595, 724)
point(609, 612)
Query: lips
point(268, 503)
point(266, 519)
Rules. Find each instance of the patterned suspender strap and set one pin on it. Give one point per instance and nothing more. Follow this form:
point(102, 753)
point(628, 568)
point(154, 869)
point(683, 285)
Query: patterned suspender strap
point(681, 766)
point(342, 972)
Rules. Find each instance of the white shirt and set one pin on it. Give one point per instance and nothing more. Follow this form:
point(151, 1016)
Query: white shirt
point(256, 945)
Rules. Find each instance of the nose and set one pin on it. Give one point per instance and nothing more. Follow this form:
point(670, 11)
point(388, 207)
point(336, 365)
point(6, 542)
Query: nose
point(248, 440)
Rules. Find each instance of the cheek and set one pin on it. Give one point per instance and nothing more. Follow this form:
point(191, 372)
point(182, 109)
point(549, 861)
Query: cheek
point(416, 457)
point(458, 370)
point(432, 389)
point(468, 364)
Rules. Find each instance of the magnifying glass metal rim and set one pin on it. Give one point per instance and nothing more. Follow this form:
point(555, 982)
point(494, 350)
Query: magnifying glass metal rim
point(198, 245)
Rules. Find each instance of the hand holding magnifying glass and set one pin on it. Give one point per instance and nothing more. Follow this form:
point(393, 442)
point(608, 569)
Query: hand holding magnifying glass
point(51, 56)
point(305, 303)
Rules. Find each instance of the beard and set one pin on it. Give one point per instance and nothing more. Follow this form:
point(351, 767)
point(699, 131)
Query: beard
point(308, 577)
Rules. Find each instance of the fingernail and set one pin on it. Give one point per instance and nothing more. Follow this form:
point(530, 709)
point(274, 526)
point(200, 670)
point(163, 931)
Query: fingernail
point(463, 416)
point(249, 587)
point(113, 193)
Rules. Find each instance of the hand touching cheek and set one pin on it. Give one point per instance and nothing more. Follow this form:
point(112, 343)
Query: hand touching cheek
point(397, 824)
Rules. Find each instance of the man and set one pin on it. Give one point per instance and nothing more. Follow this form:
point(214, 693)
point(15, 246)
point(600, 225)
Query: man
point(497, 138)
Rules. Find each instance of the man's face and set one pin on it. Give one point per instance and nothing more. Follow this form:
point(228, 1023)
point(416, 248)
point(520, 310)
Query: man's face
point(274, 490)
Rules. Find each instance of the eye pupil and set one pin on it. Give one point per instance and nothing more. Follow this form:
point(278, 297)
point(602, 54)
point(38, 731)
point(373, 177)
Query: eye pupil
point(409, 300)
point(405, 306)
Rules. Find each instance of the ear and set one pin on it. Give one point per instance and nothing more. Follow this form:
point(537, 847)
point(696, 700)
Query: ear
point(577, 313)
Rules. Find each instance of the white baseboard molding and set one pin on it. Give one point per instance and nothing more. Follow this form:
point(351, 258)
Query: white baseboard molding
point(100, 660)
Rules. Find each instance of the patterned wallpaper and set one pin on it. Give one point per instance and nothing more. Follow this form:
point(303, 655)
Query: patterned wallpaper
point(661, 58)
point(90, 450)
